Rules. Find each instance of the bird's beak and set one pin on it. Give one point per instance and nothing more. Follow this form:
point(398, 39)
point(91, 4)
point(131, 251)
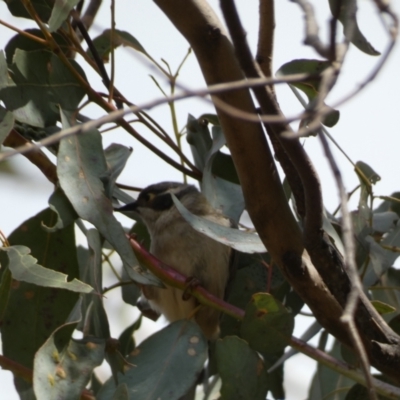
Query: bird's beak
point(130, 210)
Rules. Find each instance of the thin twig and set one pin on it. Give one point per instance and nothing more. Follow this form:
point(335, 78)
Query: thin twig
point(349, 256)
point(118, 114)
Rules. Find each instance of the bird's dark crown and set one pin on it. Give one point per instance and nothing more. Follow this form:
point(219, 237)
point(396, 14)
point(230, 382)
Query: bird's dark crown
point(158, 196)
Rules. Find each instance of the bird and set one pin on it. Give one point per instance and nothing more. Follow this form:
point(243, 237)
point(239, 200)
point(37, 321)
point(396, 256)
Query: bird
point(177, 244)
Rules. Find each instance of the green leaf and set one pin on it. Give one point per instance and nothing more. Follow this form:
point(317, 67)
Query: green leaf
point(367, 171)
point(6, 123)
point(34, 312)
point(42, 8)
point(116, 157)
point(221, 194)
point(199, 139)
point(23, 42)
point(310, 87)
point(60, 13)
point(164, 366)
point(63, 369)
point(241, 369)
point(40, 84)
point(24, 268)
point(251, 277)
point(239, 240)
point(267, 325)
point(348, 17)
point(126, 339)
point(104, 44)
point(81, 165)
point(382, 308)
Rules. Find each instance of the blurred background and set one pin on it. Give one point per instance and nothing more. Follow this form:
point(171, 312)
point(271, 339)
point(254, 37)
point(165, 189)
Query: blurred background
point(368, 129)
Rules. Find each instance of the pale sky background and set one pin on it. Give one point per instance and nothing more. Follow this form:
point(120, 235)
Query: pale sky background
point(368, 129)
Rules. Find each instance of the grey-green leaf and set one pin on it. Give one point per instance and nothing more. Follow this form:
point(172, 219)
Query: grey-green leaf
point(60, 13)
point(164, 366)
point(6, 123)
point(239, 240)
point(24, 268)
point(81, 165)
point(348, 18)
point(242, 370)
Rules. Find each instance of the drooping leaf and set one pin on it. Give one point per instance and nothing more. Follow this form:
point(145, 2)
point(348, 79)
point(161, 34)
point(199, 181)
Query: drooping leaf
point(311, 87)
point(239, 240)
point(126, 339)
point(60, 13)
point(241, 369)
point(81, 165)
point(24, 268)
point(221, 194)
point(6, 123)
point(116, 157)
point(166, 365)
point(347, 15)
point(34, 312)
point(267, 325)
point(40, 84)
point(200, 141)
point(109, 40)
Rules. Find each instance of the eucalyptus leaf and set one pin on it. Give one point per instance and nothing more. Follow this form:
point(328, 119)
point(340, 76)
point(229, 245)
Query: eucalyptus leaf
point(39, 310)
point(116, 157)
point(239, 240)
point(241, 369)
point(60, 13)
point(42, 9)
point(267, 325)
point(221, 194)
point(311, 86)
point(24, 268)
point(24, 42)
point(81, 164)
point(165, 366)
point(64, 373)
point(109, 40)
point(347, 15)
point(6, 123)
point(40, 84)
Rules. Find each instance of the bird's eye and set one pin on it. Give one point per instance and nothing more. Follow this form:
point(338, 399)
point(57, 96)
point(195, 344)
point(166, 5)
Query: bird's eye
point(148, 197)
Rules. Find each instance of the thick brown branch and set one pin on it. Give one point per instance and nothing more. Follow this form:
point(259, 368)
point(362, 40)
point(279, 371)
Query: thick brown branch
point(262, 190)
point(266, 36)
point(293, 147)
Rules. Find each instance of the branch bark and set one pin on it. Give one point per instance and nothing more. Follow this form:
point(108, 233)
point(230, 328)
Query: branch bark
point(264, 197)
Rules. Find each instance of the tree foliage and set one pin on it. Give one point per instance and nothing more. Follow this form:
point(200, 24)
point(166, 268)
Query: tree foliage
point(339, 264)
